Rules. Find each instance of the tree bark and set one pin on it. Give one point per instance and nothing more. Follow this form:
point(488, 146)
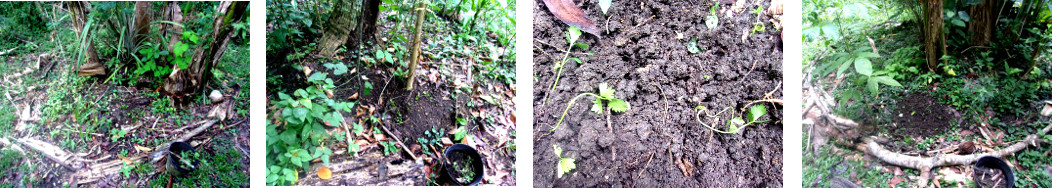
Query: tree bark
point(934, 43)
point(348, 17)
point(984, 19)
point(91, 66)
point(141, 25)
point(183, 83)
point(172, 13)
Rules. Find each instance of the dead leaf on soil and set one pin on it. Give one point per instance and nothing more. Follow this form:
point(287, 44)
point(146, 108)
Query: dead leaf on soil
point(324, 173)
point(570, 14)
point(446, 141)
point(353, 97)
point(143, 149)
point(895, 181)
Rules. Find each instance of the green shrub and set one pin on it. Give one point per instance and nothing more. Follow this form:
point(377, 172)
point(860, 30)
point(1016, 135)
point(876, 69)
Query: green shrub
point(297, 138)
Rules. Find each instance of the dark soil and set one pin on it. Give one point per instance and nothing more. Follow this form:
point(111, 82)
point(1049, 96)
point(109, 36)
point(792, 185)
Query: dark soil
point(989, 177)
point(920, 115)
point(659, 142)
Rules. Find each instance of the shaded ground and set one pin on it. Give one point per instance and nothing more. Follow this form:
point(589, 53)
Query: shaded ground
point(920, 115)
point(102, 121)
point(659, 142)
point(452, 81)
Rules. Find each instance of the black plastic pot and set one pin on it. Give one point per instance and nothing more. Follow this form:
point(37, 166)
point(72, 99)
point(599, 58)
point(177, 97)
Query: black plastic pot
point(476, 165)
point(174, 151)
point(991, 162)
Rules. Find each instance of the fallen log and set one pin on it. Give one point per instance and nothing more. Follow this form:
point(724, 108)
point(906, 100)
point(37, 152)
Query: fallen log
point(926, 164)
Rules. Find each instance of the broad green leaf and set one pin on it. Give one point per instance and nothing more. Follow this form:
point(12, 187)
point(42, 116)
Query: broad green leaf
point(692, 47)
point(581, 46)
point(306, 103)
point(863, 66)
point(191, 35)
point(577, 59)
point(867, 54)
point(887, 80)
point(964, 16)
point(180, 47)
point(957, 22)
point(871, 86)
point(317, 77)
point(736, 121)
point(461, 132)
point(284, 96)
point(573, 34)
point(618, 105)
point(300, 113)
point(605, 5)
point(843, 67)
point(337, 68)
point(565, 165)
point(756, 111)
point(290, 175)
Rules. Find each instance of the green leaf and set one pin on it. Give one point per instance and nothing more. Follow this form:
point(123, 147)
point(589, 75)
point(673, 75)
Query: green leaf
point(863, 66)
point(605, 91)
point(597, 106)
point(180, 48)
point(843, 67)
point(300, 113)
point(871, 86)
point(290, 175)
point(565, 165)
point(692, 47)
point(558, 151)
point(284, 96)
point(957, 22)
point(317, 77)
point(577, 59)
point(711, 21)
point(618, 105)
point(573, 34)
point(337, 68)
point(581, 46)
point(358, 129)
point(306, 103)
point(190, 35)
point(461, 132)
point(736, 121)
point(605, 5)
point(755, 112)
point(887, 80)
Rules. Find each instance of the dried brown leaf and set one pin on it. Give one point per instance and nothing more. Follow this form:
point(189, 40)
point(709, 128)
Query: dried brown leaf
point(568, 12)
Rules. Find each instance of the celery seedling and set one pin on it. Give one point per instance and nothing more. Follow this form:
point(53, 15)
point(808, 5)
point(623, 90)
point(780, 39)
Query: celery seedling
point(572, 34)
point(736, 124)
point(605, 94)
point(565, 164)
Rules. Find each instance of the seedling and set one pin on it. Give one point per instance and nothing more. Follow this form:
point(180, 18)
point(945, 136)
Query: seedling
point(460, 134)
point(565, 164)
point(712, 20)
point(606, 94)
point(736, 124)
point(759, 25)
point(572, 34)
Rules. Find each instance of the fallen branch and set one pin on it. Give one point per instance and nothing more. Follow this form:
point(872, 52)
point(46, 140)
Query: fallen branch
point(399, 141)
point(926, 164)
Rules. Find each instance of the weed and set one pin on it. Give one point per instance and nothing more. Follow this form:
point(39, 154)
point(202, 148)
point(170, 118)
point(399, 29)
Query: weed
point(294, 145)
point(390, 148)
point(711, 20)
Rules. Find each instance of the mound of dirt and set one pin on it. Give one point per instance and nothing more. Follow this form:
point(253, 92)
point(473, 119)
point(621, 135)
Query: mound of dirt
point(659, 142)
point(920, 115)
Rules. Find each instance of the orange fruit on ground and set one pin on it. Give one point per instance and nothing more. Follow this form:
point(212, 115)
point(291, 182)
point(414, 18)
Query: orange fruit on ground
point(324, 173)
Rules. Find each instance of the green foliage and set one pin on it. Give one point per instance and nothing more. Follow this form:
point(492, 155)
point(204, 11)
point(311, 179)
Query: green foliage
point(20, 21)
point(565, 164)
point(390, 147)
point(338, 68)
point(149, 61)
point(460, 133)
point(303, 119)
point(692, 47)
point(289, 23)
point(606, 94)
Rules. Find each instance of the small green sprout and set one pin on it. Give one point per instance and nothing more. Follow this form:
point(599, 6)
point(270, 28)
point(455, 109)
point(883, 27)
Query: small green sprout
point(605, 94)
point(736, 124)
point(565, 164)
point(572, 34)
point(605, 5)
point(712, 20)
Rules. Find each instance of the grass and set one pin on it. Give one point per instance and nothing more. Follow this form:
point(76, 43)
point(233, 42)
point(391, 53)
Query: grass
point(819, 166)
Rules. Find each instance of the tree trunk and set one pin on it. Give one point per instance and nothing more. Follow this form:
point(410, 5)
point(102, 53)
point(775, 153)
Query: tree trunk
point(172, 13)
point(91, 66)
point(984, 19)
point(183, 83)
point(346, 19)
point(934, 43)
point(141, 24)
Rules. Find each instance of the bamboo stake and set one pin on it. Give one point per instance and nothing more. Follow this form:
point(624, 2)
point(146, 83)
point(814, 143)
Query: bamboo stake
point(416, 46)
